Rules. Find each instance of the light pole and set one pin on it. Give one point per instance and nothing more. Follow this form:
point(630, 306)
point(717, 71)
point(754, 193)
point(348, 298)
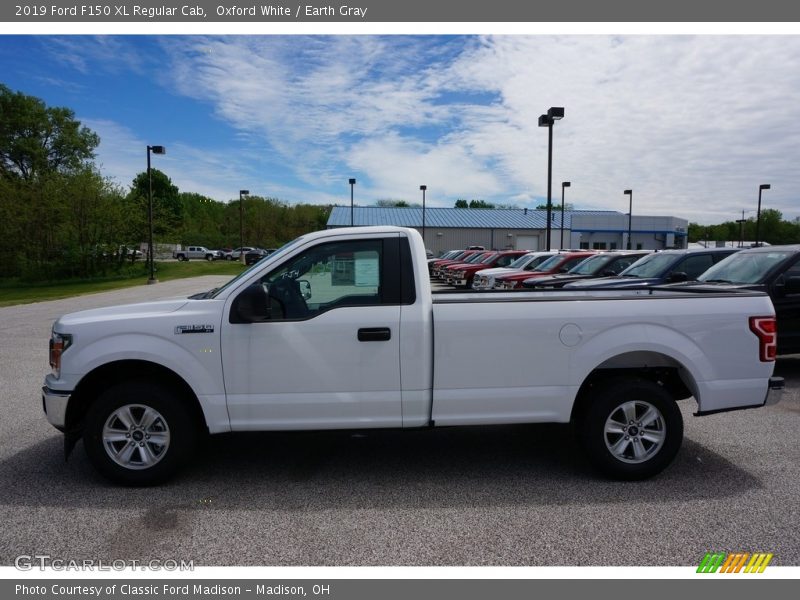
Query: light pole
point(564, 184)
point(629, 193)
point(741, 223)
point(423, 188)
point(352, 182)
point(241, 224)
point(554, 113)
point(155, 150)
point(763, 186)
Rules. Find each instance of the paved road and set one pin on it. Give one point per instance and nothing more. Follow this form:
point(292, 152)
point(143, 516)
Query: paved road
point(518, 495)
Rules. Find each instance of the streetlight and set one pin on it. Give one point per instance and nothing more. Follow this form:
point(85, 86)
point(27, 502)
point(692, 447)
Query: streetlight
point(554, 113)
point(763, 186)
point(564, 184)
point(352, 182)
point(155, 150)
point(629, 193)
point(741, 223)
point(241, 225)
point(423, 188)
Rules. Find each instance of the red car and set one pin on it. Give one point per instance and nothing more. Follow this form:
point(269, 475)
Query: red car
point(462, 275)
point(560, 263)
point(437, 266)
point(475, 257)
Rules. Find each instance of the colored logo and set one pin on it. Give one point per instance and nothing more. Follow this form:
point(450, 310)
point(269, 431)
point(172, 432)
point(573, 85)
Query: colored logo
point(734, 563)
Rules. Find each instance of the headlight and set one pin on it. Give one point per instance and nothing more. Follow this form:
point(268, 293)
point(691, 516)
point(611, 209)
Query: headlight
point(59, 342)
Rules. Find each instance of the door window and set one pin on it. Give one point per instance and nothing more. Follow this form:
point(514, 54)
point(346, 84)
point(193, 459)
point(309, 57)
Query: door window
point(328, 276)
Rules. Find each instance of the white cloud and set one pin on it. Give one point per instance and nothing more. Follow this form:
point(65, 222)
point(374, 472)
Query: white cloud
point(693, 124)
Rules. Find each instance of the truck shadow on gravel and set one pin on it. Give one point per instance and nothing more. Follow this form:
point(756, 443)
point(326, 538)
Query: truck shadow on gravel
point(314, 471)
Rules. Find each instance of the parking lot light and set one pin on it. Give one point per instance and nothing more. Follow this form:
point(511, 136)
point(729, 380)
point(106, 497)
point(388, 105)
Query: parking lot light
point(352, 182)
point(564, 184)
point(554, 113)
point(423, 188)
point(629, 193)
point(241, 224)
point(150, 256)
point(761, 188)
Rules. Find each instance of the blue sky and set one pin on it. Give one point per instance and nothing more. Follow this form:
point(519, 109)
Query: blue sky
point(693, 124)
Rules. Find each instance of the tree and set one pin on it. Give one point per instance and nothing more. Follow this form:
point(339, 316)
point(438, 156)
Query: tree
point(167, 206)
point(35, 139)
point(480, 204)
point(461, 204)
point(392, 203)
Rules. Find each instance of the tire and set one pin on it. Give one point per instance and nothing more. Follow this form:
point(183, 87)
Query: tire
point(209, 257)
point(144, 413)
point(630, 429)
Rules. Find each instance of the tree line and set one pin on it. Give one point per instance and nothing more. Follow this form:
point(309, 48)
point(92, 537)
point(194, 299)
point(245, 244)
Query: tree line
point(61, 219)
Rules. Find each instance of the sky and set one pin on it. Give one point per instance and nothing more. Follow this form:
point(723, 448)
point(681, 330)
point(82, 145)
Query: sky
point(693, 124)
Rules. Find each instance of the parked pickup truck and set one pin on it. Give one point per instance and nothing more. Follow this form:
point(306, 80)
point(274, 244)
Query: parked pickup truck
point(339, 330)
point(197, 252)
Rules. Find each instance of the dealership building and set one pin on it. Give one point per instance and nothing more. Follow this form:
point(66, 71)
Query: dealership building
point(522, 229)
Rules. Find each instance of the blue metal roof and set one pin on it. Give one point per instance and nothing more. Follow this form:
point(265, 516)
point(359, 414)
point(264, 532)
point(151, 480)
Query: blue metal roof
point(464, 218)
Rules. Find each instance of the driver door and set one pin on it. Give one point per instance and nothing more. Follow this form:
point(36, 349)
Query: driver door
point(327, 353)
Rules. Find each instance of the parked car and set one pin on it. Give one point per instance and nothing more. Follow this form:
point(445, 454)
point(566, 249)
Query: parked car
point(251, 257)
point(559, 263)
point(447, 271)
point(772, 269)
point(196, 252)
point(460, 257)
point(606, 264)
point(462, 276)
point(485, 279)
point(236, 253)
point(669, 266)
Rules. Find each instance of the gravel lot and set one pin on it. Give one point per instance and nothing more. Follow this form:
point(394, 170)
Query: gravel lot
point(518, 495)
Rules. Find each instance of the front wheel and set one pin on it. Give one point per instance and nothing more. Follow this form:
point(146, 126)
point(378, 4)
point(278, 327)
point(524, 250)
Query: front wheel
point(630, 429)
point(138, 433)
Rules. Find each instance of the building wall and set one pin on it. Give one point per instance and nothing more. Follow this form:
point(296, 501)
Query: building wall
point(442, 239)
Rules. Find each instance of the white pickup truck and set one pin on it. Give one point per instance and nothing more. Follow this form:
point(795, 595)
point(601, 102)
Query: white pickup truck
point(339, 330)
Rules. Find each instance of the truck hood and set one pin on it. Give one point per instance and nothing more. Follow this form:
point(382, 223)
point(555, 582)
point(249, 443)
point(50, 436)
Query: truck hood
point(114, 313)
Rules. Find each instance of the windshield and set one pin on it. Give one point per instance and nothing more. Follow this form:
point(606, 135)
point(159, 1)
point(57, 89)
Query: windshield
point(591, 265)
point(652, 265)
point(521, 261)
point(474, 258)
point(550, 263)
point(217, 291)
point(488, 259)
point(746, 267)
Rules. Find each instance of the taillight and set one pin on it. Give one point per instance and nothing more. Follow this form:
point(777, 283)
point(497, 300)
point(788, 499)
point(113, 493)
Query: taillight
point(766, 329)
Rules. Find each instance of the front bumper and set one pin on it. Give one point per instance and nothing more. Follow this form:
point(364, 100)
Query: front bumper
point(55, 407)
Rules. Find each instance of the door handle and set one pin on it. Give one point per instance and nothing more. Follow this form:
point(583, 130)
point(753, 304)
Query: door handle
point(374, 334)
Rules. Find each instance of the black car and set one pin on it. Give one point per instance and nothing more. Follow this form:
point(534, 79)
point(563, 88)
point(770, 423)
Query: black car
point(771, 269)
point(668, 266)
point(606, 264)
point(251, 257)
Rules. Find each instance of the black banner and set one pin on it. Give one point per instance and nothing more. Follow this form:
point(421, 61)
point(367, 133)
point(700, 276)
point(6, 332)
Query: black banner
point(374, 11)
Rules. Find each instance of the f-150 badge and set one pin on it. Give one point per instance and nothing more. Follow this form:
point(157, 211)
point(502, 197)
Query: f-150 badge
point(194, 329)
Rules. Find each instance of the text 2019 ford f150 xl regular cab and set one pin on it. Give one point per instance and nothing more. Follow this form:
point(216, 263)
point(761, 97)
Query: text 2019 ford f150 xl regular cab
point(339, 330)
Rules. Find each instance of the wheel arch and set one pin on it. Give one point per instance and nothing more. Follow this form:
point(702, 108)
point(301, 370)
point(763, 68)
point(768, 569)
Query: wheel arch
point(106, 375)
point(657, 367)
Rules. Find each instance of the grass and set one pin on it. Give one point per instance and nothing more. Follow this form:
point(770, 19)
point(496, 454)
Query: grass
point(13, 292)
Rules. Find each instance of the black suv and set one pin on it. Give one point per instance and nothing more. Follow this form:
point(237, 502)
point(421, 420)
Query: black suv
point(668, 266)
point(771, 269)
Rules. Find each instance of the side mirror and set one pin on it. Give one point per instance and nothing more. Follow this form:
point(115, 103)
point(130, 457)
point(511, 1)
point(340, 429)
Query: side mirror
point(251, 306)
point(677, 277)
point(305, 288)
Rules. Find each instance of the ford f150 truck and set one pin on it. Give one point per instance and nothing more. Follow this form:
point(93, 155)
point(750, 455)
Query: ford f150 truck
point(339, 330)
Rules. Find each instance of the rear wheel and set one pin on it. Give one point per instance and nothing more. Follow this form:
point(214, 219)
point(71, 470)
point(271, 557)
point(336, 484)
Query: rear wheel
point(138, 433)
point(631, 429)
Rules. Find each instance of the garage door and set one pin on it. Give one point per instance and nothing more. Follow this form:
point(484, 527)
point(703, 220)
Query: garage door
point(527, 242)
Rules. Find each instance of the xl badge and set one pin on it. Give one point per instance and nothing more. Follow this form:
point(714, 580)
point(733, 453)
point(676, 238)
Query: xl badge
point(194, 329)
